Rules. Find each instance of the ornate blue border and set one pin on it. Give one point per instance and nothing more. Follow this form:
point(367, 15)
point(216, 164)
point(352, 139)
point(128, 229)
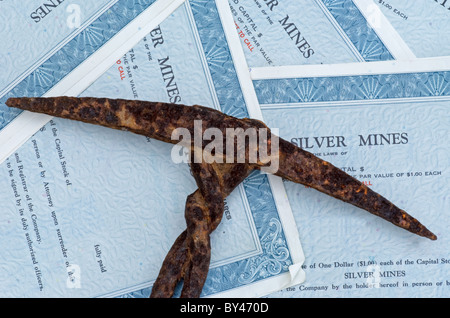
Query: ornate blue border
point(363, 37)
point(348, 88)
point(73, 54)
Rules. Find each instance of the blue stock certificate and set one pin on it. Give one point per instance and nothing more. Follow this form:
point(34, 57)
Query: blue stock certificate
point(32, 31)
point(91, 211)
point(423, 24)
point(299, 32)
point(42, 42)
point(391, 131)
point(52, 50)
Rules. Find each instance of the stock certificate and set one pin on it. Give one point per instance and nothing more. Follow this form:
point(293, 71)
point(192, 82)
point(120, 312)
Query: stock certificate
point(391, 131)
point(49, 48)
point(34, 31)
point(423, 24)
point(298, 32)
point(90, 211)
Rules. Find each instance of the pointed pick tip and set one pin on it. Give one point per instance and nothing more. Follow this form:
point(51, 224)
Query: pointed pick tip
point(11, 102)
point(423, 231)
point(411, 224)
point(18, 102)
point(431, 236)
point(24, 103)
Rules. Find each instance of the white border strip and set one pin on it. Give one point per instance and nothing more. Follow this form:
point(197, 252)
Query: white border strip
point(27, 124)
point(352, 69)
point(352, 103)
point(384, 29)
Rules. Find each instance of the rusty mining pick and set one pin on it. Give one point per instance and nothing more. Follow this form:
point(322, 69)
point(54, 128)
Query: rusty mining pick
point(189, 257)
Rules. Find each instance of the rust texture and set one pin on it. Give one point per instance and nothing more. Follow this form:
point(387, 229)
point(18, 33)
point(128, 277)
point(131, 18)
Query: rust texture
point(188, 259)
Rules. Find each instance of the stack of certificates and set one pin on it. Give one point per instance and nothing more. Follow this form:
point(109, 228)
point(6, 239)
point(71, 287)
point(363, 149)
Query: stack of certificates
point(88, 211)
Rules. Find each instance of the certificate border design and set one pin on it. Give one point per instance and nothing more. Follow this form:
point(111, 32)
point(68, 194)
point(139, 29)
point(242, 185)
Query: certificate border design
point(359, 32)
point(348, 88)
point(73, 54)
